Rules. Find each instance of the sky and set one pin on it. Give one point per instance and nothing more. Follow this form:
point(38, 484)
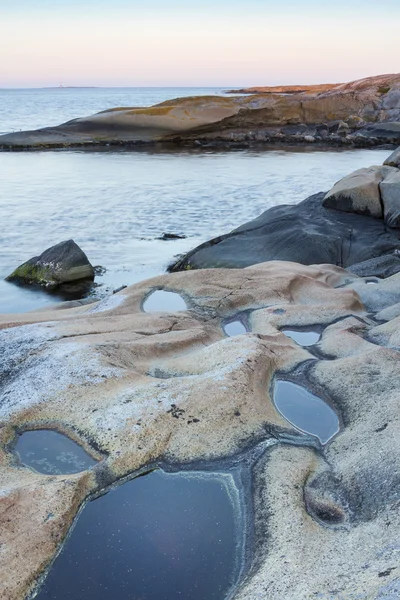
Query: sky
point(232, 43)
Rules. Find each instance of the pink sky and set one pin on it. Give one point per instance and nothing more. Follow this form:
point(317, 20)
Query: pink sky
point(139, 47)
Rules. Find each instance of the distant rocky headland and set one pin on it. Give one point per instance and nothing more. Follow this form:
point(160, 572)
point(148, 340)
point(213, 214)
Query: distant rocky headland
point(361, 113)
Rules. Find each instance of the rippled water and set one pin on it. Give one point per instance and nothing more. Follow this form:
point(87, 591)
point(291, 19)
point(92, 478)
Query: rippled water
point(116, 204)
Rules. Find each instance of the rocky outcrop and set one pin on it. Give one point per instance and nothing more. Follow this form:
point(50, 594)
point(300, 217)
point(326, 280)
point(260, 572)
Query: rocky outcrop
point(63, 263)
point(359, 192)
point(138, 390)
point(361, 113)
point(356, 222)
point(287, 89)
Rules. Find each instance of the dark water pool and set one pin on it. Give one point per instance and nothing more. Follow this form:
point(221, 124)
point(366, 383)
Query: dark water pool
point(52, 453)
point(305, 410)
point(162, 301)
point(162, 536)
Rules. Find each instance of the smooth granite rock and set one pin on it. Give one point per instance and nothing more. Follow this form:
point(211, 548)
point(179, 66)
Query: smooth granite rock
point(140, 389)
point(390, 193)
point(62, 263)
point(359, 192)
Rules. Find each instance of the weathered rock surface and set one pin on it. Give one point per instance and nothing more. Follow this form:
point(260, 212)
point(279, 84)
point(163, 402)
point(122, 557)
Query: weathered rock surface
point(361, 113)
point(359, 192)
point(134, 389)
point(65, 262)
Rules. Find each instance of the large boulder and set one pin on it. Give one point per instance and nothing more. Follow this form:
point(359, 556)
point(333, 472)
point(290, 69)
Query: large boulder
point(65, 262)
point(359, 192)
point(394, 159)
point(306, 233)
point(390, 193)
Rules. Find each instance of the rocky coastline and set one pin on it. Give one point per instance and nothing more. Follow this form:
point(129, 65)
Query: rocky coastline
point(361, 114)
point(139, 389)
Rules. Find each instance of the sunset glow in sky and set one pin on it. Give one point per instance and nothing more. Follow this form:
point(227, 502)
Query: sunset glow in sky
point(198, 43)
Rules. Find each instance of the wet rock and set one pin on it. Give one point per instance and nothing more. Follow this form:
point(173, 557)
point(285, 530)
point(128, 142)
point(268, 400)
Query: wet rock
point(359, 192)
point(60, 264)
point(171, 236)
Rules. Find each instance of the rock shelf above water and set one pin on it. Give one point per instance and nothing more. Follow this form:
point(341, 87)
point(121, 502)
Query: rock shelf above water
point(361, 113)
point(93, 372)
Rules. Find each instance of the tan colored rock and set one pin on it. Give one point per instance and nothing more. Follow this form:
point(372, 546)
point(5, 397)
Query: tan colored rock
point(359, 192)
point(112, 377)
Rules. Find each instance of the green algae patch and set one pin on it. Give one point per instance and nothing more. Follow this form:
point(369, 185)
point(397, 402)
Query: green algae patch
point(31, 274)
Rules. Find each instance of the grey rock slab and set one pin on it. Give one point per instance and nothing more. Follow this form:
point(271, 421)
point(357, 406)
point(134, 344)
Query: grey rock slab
point(384, 132)
point(359, 192)
point(390, 193)
point(382, 266)
point(307, 233)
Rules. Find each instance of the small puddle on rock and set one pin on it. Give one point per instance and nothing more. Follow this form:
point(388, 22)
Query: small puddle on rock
point(162, 301)
point(52, 453)
point(305, 411)
point(371, 282)
point(303, 337)
point(162, 536)
point(236, 327)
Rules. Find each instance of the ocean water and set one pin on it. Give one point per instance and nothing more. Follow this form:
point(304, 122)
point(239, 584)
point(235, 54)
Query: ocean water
point(33, 108)
point(116, 204)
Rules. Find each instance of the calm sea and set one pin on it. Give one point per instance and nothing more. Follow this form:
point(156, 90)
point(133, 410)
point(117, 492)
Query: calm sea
point(116, 204)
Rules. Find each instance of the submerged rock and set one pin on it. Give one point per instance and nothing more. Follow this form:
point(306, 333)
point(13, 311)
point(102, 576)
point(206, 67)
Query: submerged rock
point(171, 236)
point(60, 264)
